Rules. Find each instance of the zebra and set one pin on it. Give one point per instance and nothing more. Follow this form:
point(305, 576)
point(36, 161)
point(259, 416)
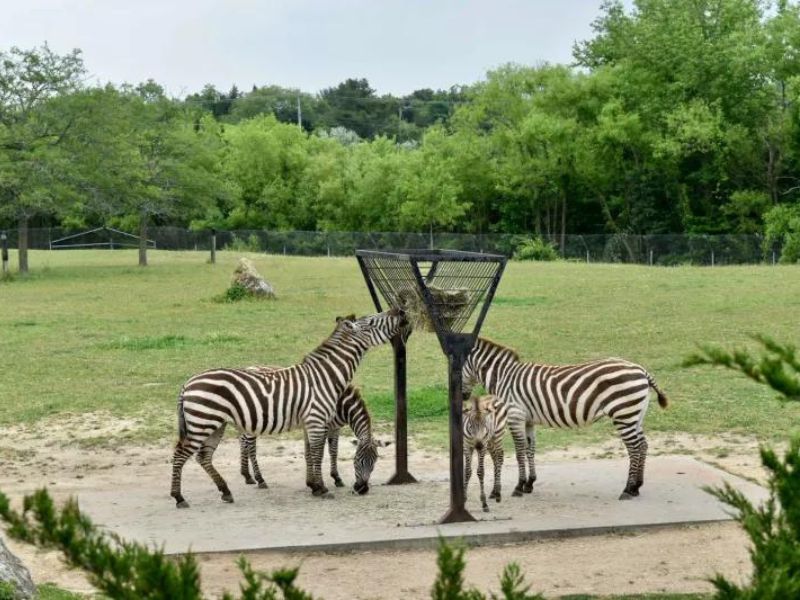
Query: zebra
point(350, 410)
point(254, 403)
point(565, 396)
point(485, 422)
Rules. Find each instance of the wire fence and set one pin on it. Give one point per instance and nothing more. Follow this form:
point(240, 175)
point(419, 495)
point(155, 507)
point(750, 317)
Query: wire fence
point(674, 249)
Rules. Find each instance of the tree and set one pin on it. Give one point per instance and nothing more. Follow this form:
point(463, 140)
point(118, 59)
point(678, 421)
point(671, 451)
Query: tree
point(32, 125)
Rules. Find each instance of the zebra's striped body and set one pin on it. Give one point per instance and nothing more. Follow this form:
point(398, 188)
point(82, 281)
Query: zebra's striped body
point(484, 427)
point(273, 402)
point(350, 410)
point(565, 396)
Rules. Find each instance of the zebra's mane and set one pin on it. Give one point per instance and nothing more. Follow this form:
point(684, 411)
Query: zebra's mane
point(326, 345)
point(501, 347)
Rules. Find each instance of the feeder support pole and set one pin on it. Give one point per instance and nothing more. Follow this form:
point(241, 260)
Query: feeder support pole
point(457, 347)
point(401, 474)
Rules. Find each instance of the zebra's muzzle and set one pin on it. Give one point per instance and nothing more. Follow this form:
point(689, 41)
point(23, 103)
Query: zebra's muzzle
point(361, 488)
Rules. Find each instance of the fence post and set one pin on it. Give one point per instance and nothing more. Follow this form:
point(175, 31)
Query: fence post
point(712, 258)
point(773, 258)
point(4, 241)
point(213, 246)
point(587, 257)
point(651, 258)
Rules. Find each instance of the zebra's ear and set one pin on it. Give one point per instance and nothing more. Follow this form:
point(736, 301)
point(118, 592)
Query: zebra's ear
point(350, 317)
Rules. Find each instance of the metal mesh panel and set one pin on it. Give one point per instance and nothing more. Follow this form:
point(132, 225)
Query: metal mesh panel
point(447, 286)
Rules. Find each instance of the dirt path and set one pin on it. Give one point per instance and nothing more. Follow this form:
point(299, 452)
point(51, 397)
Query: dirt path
point(68, 459)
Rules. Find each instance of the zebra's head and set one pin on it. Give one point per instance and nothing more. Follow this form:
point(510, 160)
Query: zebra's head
point(364, 462)
point(377, 329)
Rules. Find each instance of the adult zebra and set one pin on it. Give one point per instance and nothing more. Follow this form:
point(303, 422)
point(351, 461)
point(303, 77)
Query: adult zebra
point(350, 410)
point(565, 396)
point(305, 393)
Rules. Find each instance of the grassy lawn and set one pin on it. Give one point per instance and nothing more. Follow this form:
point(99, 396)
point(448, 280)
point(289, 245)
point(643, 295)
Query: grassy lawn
point(90, 331)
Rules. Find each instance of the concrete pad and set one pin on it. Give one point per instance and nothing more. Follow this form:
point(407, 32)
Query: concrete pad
point(570, 498)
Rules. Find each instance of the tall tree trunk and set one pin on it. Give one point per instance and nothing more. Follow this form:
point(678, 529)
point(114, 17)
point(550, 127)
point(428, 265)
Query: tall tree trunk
point(538, 221)
point(143, 239)
point(563, 222)
point(22, 244)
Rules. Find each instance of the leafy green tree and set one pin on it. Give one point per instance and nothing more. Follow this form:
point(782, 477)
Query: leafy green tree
point(32, 125)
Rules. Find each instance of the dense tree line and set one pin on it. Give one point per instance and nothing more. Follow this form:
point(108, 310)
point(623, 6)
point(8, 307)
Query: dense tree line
point(677, 116)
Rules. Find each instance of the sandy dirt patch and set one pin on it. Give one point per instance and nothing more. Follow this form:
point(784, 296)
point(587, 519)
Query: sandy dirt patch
point(71, 457)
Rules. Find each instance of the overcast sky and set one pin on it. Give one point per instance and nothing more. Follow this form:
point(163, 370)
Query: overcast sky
point(399, 45)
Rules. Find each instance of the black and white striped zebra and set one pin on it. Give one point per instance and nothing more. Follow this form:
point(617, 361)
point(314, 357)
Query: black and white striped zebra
point(304, 394)
point(565, 396)
point(350, 410)
point(485, 421)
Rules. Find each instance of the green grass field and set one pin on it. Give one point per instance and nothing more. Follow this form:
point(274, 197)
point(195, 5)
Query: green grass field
point(90, 331)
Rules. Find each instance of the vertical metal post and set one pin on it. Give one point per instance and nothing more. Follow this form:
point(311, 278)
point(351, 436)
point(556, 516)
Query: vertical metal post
point(773, 258)
point(401, 474)
point(457, 513)
point(587, 257)
point(712, 258)
point(4, 242)
point(651, 258)
point(213, 246)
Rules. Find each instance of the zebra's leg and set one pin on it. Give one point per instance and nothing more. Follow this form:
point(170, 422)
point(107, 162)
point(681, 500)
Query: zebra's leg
point(204, 457)
point(517, 428)
point(316, 444)
point(183, 452)
point(467, 466)
point(481, 459)
point(530, 439)
point(253, 457)
point(496, 452)
point(309, 462)
point(244, 459)
point(333, 452)
point(636, 444)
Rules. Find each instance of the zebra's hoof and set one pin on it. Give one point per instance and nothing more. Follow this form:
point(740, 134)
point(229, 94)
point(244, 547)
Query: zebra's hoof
point(227, 498)
point(338, 482)
point(516, 493)
point(497, 497)
point(319, 491)
point(249, 480)
point(628, 495)
point(182, 504)
point(527, 488)
point(262, 485)
point(485, 508)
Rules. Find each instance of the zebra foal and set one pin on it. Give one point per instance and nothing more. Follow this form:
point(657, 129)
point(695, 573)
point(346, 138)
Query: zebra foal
point(257, 403)
point(565, 396)
point(485, 422)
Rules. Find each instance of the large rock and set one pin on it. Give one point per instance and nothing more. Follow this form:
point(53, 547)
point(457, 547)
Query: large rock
point(14, 572)
point(247, 276)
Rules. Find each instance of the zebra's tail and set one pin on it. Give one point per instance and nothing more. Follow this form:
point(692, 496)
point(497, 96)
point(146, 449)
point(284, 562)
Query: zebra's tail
point(663, 401)
point(181, 419)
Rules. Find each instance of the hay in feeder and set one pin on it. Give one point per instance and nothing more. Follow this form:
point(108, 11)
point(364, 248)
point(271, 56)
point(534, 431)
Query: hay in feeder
point(448, 303)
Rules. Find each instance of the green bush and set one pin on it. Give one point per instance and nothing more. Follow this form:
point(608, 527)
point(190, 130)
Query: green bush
point(774, 527)
point(251, 244)
point(535, 249)
point(7, 590)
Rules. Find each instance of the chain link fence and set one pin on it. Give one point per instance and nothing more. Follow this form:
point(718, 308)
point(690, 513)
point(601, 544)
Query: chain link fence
point(675, 249)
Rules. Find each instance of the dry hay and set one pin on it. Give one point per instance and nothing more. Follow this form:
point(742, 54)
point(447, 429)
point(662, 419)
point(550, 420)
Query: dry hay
point(246, 276)
point(450, 303)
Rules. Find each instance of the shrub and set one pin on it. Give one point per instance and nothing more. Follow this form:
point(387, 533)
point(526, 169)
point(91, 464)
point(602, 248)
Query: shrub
point(773, 528)
point(251, 244)
point(535, 249)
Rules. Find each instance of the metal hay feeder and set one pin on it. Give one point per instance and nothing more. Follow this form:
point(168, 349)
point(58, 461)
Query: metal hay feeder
point(448, 286)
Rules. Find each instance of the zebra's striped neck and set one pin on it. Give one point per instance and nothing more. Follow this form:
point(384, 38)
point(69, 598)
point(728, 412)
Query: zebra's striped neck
point(342, 353)
point(493, 364)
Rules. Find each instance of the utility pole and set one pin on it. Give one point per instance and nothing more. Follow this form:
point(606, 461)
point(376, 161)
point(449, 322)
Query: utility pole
point(299, 113)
